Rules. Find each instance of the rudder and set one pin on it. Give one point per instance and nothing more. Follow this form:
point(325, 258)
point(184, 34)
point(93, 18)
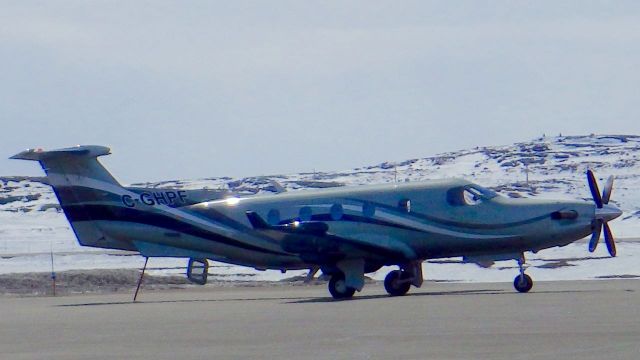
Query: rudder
point(78, 181)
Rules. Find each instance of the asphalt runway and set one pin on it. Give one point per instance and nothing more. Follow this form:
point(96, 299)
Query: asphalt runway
point(557, 320)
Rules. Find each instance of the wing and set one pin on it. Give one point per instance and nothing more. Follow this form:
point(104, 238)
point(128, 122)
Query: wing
point(312, 239)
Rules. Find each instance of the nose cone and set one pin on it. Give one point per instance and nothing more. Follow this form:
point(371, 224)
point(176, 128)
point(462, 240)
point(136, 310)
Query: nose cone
point(608, 212)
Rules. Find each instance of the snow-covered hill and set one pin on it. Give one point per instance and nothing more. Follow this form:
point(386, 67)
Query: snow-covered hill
point(31, 222)
point(555, 167)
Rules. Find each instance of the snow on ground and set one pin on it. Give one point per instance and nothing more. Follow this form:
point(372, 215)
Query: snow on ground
point(36, 232)
point(572, 262)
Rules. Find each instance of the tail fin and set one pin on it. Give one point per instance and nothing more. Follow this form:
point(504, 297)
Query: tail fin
point(80, 182)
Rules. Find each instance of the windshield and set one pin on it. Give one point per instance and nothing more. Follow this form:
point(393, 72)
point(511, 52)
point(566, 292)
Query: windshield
point(469, 195)
point(484, 192)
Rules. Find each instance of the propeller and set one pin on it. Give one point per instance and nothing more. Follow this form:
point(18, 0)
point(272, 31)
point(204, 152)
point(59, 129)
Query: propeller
point(603, 214)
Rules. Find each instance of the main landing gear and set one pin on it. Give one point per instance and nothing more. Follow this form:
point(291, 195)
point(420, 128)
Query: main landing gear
point(338, 287)
point(522, 282)
point(398, 282)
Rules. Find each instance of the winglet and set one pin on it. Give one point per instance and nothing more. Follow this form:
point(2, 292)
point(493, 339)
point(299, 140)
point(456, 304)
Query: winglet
point(256, 221)
point(279, 188)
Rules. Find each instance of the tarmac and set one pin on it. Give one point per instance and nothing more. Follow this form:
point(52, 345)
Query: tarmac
point(556, 320)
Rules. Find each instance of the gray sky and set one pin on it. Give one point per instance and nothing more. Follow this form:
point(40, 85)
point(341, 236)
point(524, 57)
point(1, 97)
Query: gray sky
point(190, 89)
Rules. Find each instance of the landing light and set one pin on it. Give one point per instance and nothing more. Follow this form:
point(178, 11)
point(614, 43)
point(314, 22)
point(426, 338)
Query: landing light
point(232, 201)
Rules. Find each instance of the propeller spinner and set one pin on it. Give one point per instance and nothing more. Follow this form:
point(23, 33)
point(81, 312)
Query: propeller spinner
point(603, 214)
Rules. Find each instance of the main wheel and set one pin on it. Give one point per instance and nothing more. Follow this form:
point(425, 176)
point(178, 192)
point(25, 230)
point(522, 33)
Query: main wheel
point(523, 285)
point(394, 285)
point(338, 287)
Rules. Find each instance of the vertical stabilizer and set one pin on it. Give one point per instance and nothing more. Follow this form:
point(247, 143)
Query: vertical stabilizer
point(83, 188)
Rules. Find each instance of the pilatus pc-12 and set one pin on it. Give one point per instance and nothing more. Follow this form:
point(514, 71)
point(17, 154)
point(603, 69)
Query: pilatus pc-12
point(346, 232)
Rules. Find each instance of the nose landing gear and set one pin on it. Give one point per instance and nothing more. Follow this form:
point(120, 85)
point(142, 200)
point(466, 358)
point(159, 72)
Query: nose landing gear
point(523, 282)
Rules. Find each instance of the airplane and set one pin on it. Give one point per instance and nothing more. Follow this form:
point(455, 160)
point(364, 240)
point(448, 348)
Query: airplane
point(346, 232)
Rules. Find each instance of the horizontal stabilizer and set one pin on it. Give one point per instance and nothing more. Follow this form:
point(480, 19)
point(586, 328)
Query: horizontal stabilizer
point(91, 151)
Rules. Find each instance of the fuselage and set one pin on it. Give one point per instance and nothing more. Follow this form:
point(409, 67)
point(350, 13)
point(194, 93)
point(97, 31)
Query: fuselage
point(421, 220)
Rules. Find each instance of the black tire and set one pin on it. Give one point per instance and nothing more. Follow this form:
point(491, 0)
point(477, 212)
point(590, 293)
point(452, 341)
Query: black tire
point(338, 288)
point(523, 286)
point(393, 285)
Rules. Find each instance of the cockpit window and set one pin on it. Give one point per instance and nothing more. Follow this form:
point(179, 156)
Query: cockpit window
point(486, 193)
point(469, 195)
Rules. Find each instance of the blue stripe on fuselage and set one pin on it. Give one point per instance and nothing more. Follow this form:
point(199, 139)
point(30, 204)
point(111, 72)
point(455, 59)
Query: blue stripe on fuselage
point(116, 213)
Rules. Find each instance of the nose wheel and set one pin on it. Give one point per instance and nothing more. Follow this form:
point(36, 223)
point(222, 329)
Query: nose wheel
point(522, 282)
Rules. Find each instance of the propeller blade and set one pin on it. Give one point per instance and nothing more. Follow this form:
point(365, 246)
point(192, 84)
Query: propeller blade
point(608, 239)
point(595, 237)
point(593, 186)
point(606, 193)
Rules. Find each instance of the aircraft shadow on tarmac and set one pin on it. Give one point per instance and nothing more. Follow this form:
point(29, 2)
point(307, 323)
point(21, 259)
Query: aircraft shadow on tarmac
point(307, 300)
point(141, 302)
point(440, 293)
